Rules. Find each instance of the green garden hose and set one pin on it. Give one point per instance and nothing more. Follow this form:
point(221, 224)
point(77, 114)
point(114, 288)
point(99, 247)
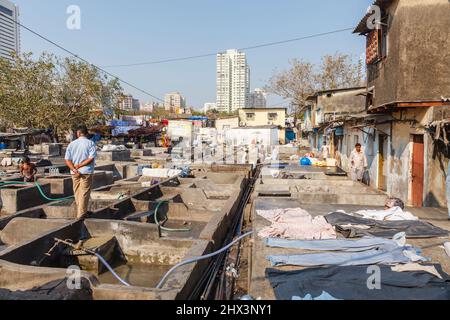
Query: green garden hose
point(160, 225)
point(38, 186)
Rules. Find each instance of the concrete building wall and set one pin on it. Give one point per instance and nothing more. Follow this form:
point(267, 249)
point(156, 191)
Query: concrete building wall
point(416, 58)
point(180, 129)
point(265, 117)
point(435, 162)
point(342, 102)
point(262, 117)
point(227, 123)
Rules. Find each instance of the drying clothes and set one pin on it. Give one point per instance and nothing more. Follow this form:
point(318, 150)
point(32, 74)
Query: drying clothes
point(295, 223)
point(364, 251)
point(392, 214)
point(383, 229)
point(416, 267)
point(325, 296)
point(359, 245)
point(368, 257)
point(448, 189)
point(351, 283)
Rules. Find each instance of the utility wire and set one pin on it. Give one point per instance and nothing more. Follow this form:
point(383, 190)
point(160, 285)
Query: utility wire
point(240, 49)
point(82, 59)
point(281, 103)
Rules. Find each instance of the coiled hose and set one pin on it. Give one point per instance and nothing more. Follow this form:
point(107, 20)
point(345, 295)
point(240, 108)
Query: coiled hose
point(160, 224)
point(38, 186)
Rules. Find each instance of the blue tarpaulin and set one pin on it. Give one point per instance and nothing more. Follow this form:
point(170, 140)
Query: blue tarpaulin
point(121, 123)
point(122, 130)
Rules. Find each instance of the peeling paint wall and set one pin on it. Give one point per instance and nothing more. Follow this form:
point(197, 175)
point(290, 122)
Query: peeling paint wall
point(399, 162)
point(418, 55)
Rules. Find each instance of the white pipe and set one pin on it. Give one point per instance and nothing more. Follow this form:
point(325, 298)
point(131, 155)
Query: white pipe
point(189, 261)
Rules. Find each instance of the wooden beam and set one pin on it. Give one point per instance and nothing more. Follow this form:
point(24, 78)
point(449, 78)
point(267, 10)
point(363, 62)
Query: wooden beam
point(423, 104)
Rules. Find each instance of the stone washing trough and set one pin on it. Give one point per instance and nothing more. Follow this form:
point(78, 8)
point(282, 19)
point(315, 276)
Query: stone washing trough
point(133, 250)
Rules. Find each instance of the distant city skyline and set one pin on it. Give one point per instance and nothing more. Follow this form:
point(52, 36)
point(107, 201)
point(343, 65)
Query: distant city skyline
point(265, 21)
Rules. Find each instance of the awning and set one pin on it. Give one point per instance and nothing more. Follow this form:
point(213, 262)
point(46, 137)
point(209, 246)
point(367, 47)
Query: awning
point(362, 28)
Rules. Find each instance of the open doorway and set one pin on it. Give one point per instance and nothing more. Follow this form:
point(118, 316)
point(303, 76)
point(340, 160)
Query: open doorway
point(382, 161)
point(418, 170)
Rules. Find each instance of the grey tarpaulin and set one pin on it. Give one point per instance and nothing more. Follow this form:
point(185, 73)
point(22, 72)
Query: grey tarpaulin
point(350, 283)
point(384, 229)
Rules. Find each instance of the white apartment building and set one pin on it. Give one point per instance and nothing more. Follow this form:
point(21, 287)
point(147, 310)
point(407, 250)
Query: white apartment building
point(209, 106)
point(174, 102)
point(9, 30)
point(147, 107)
point(233, 81)
point(258, 99)
point(129, 103)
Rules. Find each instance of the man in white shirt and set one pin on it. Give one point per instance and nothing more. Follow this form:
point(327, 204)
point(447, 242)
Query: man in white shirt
point(358, 163)
point(325, 151)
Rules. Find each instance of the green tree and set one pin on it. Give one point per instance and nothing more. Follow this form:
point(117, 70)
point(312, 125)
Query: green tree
point(83, 94)
point(53, 93)
point(26, 88)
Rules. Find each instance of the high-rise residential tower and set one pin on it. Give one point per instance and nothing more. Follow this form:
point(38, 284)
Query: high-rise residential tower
point(258, 98)
point(175, 102)
point(233, 81)
point(9, 30)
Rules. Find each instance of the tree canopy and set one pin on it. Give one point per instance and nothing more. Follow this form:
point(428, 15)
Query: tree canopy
point(304, 78)
point(55, 93)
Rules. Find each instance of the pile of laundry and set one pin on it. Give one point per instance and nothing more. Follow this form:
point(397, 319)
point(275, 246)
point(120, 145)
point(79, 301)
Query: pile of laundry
point(111, 147)
point(295, 223)
point(341, 251)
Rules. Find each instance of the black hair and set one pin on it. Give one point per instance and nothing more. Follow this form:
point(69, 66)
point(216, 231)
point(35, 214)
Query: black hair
point(83, 130)
point(358, 145)
point(25, 159)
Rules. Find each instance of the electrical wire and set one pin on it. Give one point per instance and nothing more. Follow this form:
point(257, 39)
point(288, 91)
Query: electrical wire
point(240, 49)
point(80, 58)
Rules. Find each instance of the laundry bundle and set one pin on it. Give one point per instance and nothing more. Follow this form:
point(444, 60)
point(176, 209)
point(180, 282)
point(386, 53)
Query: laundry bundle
point(351, 283)
point(392, 214)
point(345, 252)
point(355, 227)
point(295, 223)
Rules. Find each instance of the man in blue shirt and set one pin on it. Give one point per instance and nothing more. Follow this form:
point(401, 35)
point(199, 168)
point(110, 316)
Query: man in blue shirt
point(80, 158)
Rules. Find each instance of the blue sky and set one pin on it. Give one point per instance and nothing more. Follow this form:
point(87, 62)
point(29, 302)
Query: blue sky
point(122, 32)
